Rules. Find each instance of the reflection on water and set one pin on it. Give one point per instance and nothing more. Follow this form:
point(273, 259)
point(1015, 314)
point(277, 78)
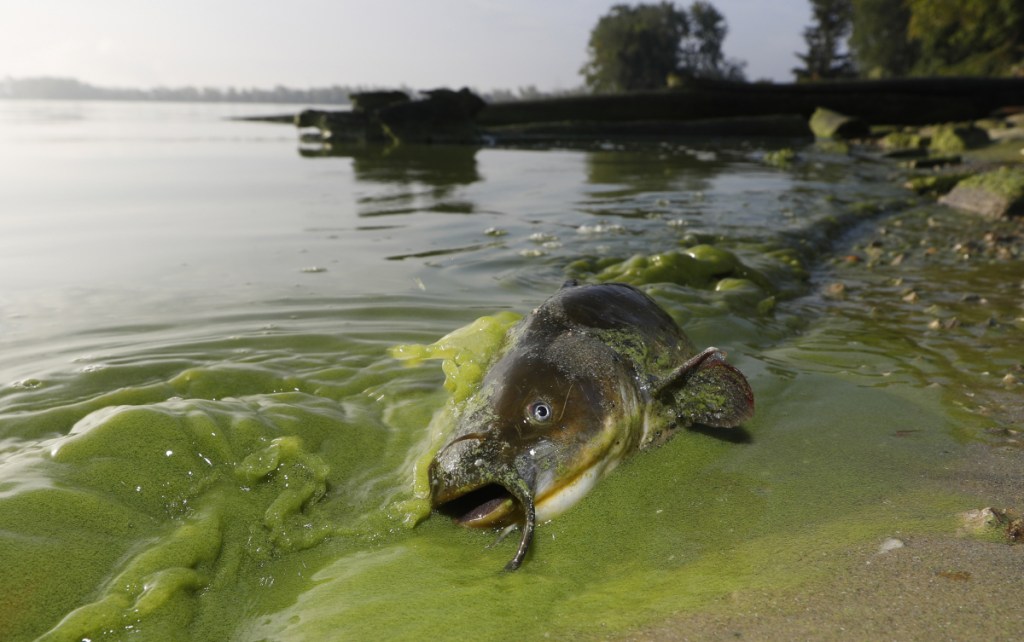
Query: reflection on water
point(419, 177)
point(672, 168)
point(439, 166)
point(204, 437)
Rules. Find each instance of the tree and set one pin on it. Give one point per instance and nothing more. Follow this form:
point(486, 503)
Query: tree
point(938, 37)
point(967, 37)
point(831, 26)
point(640, 47)
point(635, 48)
point(701, 51)
point(879, 40)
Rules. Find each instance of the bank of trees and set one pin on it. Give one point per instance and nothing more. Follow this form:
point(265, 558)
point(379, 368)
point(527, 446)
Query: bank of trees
point(649, 46)
point(894, 38)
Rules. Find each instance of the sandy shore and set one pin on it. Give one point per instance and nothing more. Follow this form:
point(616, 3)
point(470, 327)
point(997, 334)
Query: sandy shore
point(933, 588)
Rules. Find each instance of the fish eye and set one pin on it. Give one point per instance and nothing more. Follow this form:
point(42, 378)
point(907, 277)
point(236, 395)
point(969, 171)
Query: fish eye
point(539, 411)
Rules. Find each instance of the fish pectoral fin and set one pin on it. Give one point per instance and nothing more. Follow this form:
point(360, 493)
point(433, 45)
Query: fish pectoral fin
point(707, 390)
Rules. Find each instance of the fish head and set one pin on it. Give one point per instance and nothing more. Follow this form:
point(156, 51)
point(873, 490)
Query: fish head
point(541, 430)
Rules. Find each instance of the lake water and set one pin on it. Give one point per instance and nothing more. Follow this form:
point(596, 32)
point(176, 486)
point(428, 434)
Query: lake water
point(203, 434)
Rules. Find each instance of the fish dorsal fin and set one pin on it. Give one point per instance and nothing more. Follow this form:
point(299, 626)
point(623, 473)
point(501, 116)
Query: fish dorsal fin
point(707, 390)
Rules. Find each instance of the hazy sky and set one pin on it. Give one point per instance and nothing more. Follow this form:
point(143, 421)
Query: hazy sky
point(485, 44)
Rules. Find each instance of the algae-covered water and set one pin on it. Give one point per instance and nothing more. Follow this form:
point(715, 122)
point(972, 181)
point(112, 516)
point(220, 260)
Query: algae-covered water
point(205, 434)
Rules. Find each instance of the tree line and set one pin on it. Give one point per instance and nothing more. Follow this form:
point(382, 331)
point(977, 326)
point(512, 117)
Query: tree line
point(72, 89)
point(898, 38)
point(46, 88)
point(652, 46)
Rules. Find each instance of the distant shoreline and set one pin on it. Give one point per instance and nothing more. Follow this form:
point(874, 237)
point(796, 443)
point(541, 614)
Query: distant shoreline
point(181, 101)
point(70, 89)
point(56, 88)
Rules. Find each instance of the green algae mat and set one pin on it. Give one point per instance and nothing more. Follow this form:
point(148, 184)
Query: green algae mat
point(220, 513)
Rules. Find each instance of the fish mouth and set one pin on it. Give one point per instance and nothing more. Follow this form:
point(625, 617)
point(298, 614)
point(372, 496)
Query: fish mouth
point(471, 482)
point(487, 505)
point(490, 502)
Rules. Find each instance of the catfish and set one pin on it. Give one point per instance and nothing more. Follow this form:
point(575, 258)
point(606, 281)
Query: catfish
point(594, 374)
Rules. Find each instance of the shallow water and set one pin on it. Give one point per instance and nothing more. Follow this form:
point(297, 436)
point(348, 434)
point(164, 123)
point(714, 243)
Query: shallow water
point(204, 434)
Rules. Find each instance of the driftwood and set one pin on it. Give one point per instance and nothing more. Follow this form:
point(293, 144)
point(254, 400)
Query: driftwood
point(775, 125)
point(912, 101)
point(446, 116)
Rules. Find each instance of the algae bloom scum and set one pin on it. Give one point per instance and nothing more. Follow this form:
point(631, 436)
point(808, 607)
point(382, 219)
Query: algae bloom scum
point(203, 438)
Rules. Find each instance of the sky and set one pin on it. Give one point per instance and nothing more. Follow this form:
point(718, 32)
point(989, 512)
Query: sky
point(483, 44)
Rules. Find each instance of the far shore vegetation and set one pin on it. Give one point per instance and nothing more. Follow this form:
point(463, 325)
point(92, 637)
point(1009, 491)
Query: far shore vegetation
point(651, 46)
point(47, 87)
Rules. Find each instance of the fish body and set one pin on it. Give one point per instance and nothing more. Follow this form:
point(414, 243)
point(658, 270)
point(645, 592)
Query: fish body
point(595, 373)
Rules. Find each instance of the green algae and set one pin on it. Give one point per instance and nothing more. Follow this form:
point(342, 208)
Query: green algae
point(80, 507)
point(735, 285)
point(700, 266)
point(903, 140)
point(183, 492)
point(665, 267)
point(934, 183)
point(283, 515)
point(738, 285)
point(1005, 182)
point(993, 194)
point(718, 517)
point(828, 124)
point(955, 138)
point(782, 158)
point(465, 353)
point(146, 590)
point(718, 262)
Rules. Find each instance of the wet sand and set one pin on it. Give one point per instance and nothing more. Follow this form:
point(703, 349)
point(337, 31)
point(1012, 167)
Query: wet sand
point(936, 587)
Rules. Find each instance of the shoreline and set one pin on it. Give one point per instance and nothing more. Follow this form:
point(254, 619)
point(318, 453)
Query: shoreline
point(916, 585)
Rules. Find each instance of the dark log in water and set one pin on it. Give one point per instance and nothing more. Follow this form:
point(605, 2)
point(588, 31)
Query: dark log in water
point(911, 101)
point(773, 125)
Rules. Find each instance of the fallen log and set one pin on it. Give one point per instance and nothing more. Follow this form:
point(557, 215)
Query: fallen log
point(910, 101)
